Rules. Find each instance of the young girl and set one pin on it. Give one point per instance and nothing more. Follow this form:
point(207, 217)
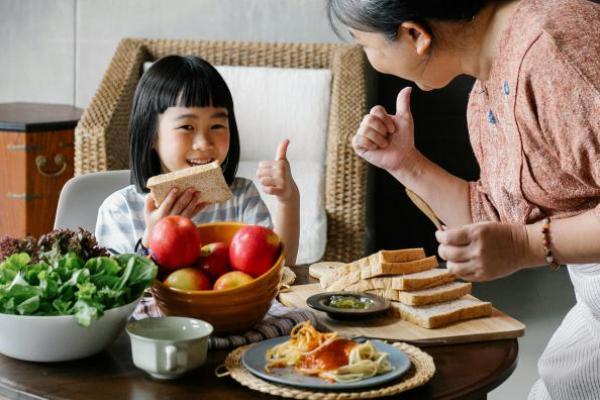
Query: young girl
point(183, 116)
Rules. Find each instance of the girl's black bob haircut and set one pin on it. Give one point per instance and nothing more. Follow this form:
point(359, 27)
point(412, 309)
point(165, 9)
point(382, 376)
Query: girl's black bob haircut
point(385, 16)
point(175, 81)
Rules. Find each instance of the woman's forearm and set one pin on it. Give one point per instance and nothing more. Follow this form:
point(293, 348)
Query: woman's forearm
point(446, 194)
point(287, 226)
point(573, 240)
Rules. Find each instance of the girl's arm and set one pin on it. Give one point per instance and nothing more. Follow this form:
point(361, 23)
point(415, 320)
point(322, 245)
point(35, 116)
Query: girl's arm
point(276, 179)
point(287, 226)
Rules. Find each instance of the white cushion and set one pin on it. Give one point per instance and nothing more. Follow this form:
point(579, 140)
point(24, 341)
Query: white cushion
point(310, 178)
point(272, 104)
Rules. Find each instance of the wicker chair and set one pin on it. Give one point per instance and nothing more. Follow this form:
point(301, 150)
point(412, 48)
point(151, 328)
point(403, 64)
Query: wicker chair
point(99, 136)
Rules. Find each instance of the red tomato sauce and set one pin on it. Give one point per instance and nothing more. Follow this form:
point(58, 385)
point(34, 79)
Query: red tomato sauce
point(330, 357)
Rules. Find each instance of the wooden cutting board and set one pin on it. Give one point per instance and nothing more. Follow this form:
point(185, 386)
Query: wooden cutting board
point(318, 269)
point(498, 326)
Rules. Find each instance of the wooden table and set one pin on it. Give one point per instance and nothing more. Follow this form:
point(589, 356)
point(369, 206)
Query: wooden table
point(465, 371)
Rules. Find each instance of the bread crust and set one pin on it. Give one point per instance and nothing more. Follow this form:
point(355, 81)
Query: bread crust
point(207, 179)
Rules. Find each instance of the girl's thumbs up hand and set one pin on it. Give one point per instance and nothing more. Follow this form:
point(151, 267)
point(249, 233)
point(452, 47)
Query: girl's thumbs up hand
point(387, 140)
point(282, 150)
point(276, 178)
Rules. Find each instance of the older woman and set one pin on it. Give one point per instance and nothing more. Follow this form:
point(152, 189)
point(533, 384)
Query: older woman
point(534, 124)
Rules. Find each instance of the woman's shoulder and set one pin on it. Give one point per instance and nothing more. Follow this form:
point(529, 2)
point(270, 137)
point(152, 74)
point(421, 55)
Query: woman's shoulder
point(568, 38)
point(564, 20)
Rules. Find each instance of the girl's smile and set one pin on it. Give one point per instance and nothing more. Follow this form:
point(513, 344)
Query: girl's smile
point(190, 136)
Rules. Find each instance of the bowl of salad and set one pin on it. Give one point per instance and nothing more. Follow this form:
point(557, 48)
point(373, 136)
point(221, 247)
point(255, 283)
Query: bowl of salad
point(63, 297)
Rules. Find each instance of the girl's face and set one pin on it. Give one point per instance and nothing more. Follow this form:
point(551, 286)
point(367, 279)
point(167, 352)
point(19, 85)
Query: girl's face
point(408, 57)
point(190, 136)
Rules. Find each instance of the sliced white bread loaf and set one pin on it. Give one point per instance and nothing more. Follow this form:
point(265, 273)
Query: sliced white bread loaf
point(378, 264)
point(415, 281)
point(441, 314)
point(207, 179)
point(438, 294)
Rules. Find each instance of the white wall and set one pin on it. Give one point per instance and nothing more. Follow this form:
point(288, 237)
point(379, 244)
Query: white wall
point(56, 51)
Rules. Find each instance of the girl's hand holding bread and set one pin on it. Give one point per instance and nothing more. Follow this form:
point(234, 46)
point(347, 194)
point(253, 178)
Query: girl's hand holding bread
point(186, 204)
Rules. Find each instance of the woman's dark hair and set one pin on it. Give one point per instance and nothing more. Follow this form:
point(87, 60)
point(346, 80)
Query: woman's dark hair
point(385, 16)
point(175, 81)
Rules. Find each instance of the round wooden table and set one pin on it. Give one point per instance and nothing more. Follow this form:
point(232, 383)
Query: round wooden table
point(464, 371)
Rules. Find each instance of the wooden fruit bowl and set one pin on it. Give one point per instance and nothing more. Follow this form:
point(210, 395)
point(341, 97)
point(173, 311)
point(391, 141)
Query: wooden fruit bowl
point(229, 311)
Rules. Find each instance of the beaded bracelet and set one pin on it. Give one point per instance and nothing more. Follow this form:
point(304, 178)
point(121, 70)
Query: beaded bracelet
point(554, 265)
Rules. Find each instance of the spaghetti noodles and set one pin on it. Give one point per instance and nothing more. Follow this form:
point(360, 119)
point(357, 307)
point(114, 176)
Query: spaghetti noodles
point(327, 355)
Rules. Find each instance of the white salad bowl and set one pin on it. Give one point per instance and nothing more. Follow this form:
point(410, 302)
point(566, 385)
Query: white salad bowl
point(60, 338)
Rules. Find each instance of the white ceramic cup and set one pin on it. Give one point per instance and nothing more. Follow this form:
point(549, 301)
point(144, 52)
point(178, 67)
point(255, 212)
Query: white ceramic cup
point(168, 347)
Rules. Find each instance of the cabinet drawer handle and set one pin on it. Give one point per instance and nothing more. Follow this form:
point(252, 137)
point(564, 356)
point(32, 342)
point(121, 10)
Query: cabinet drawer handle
point(28, 148)
point(23, 196)
point(59, 160)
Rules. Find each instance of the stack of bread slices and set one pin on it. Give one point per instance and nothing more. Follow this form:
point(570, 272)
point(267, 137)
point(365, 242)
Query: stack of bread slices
point(420, 292)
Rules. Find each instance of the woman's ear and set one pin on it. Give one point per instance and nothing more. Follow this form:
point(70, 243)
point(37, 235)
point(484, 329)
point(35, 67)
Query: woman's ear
point(416, 35)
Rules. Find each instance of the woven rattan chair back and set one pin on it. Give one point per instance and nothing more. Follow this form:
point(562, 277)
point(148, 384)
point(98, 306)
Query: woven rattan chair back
point(101, 135)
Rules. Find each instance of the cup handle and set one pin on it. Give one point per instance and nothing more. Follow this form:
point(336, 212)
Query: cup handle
point(171, 360)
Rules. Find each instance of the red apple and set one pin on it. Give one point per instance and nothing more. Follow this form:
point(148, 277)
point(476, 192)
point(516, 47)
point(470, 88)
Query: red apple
point(214, 259)
point(253, 250)
point(174, 242)
point(231, 280)
point(188, 279)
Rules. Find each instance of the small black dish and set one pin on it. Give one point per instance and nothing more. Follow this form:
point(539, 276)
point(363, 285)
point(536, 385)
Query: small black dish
point(378, 305)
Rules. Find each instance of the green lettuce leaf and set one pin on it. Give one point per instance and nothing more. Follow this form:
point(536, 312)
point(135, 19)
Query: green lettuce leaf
point(65, 284)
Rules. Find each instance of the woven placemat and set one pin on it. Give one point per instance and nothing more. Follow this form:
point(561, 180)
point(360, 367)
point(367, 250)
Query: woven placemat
point(421, 371)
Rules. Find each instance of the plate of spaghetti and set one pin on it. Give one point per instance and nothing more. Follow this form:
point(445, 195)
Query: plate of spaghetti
point(325, 361)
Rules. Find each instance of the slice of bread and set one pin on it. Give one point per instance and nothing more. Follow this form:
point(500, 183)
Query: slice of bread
point(317, 270)
point(415, 281)
point(442, 314)
point(207, 179)
point(383, 267)
point(347, 275)
point(438, 294)
point(401, 255)
point(423, 280)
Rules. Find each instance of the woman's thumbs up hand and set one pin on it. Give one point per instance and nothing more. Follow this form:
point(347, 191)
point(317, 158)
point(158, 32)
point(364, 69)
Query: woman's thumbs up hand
point(387, 140)
point(276, 178)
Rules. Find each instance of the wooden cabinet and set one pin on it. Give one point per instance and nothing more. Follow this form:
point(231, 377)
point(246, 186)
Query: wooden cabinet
point(36, 159)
